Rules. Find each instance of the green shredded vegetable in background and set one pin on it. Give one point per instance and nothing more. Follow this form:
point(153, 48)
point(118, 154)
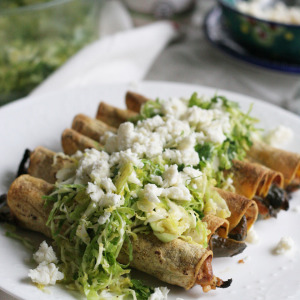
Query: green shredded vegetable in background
point(35, 43)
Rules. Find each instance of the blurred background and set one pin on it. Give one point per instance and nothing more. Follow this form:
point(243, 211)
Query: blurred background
point(250, 47)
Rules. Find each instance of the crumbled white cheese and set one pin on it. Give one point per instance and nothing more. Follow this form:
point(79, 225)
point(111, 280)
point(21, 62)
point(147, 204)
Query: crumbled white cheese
point(181, 157)
point(160, 293)
point(215, 131)
point(151, 192)
point(279, 136)
point(107, 185)
point(104, 218)
point(177, 193)
point(286, 244)
point(214, 123)
point(124, 157)
point(100, 169)
point(151, 123)
point(156, 179)
point(171, 176)
point(196, 177)
point(174, 107)
point(193, 173)
point(110, 199)
point(45, 274)
point(252, 236)
point(132, 178)
point(45, 254)
point(92, 164)
point(196, 115)
point(94, 191)
point(187, 143)
point(139, 140)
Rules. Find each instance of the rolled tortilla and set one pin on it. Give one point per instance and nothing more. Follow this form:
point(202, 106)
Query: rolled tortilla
point(73, 141)
point(216, 225)
point(250, 179)
point(239, 206)
point(43, 165)
point(285, 162)
point(25, 201)
point(113, 116)
point(91, 128)
point(176, 262)
point(134, 101)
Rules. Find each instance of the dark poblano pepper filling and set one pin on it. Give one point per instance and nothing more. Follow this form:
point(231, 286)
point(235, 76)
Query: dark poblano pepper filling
point(155, 175)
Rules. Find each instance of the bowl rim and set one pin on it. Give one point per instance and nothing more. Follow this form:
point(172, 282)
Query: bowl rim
point(233, 8)
point(33, 7)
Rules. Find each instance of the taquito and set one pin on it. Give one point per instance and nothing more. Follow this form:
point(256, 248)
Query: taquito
point(285, 162)
point(113, 116)
point(89, 127)
point(73, 141)
point(250, 179)
point(134, 101)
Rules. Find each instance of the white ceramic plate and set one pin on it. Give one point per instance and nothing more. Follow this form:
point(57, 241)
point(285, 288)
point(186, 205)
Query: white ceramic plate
point(41, 120)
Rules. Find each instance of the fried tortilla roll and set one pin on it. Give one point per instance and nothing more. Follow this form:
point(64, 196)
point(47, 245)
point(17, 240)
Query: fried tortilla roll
point(285, 162)
point(176, 262)
point(250, 179)
point(239, 206)
point(25, 201)
point(134, 101)
point(73, 141)
point(220, 242)
point(89, 127)
point(261, 184)
point(113, 116)
point(216, 225)
point(44, 164)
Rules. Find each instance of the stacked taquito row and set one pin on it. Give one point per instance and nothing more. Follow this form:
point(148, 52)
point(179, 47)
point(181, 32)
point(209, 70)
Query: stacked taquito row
point(263, 176)
point(176, 262)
